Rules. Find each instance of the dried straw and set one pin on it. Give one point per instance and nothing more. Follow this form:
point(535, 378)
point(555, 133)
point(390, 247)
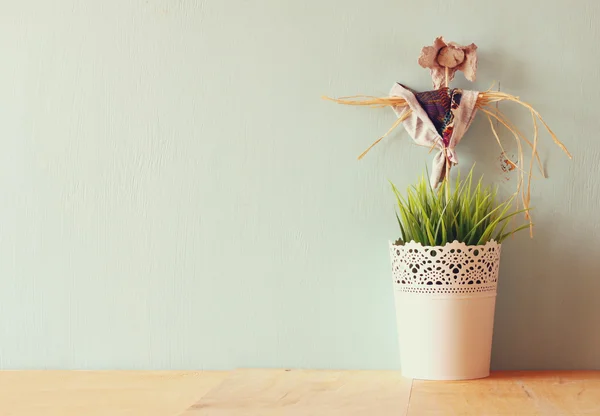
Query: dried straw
point(369, 101)
point(400, 119)
point(484, 104)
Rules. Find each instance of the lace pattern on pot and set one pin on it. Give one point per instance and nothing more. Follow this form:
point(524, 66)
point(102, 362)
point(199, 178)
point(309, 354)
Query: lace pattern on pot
point(455, 268)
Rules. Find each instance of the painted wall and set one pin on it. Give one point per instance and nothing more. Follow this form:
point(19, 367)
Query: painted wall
point(175, 194)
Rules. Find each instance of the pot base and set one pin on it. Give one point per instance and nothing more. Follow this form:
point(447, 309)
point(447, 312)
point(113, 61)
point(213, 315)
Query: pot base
point(445, 338)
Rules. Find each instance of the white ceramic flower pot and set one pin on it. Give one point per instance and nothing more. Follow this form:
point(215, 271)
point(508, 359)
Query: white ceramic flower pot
point(445, 299)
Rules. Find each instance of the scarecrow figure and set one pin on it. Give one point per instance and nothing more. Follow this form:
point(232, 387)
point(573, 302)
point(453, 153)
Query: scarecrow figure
point(439, 118)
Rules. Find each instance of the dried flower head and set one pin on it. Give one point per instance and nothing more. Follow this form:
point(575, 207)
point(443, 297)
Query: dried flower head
point(451, 56)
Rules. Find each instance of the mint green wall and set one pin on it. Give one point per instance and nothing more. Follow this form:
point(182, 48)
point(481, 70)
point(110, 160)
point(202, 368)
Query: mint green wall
point(175, 194)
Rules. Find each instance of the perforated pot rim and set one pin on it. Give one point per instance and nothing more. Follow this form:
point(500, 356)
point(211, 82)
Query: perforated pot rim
point(450, 270)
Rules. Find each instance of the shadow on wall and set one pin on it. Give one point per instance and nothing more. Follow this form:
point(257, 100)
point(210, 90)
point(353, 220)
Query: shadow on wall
point(547, 308)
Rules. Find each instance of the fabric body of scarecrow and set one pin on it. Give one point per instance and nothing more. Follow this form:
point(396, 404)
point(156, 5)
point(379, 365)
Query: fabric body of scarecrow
point(438, 119)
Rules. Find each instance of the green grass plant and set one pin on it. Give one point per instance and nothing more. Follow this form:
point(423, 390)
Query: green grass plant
point(466, 212)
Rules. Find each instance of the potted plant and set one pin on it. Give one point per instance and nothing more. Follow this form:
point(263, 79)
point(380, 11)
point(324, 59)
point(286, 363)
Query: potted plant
point(445, 266)
point(446, 262)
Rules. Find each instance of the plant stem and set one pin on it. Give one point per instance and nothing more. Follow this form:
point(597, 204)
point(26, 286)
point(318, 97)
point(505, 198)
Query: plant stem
point(447, 176)
point(446, 72)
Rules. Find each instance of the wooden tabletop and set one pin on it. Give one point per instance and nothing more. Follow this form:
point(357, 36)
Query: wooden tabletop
point(294, 392)
point(510, 394)
point(302, 393)
point(102, 393)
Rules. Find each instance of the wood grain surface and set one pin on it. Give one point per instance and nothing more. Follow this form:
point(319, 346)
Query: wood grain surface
point(302, 393)
point(294, 393)
point(102, 393)
point(511, 394)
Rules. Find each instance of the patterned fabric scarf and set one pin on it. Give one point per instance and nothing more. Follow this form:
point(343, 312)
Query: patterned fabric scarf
point(438, 119)
point(440, 105)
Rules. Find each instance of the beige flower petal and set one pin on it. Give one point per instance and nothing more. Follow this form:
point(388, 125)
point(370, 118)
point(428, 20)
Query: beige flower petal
point(469, 65)
point(428, 56)
point(429, 59)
